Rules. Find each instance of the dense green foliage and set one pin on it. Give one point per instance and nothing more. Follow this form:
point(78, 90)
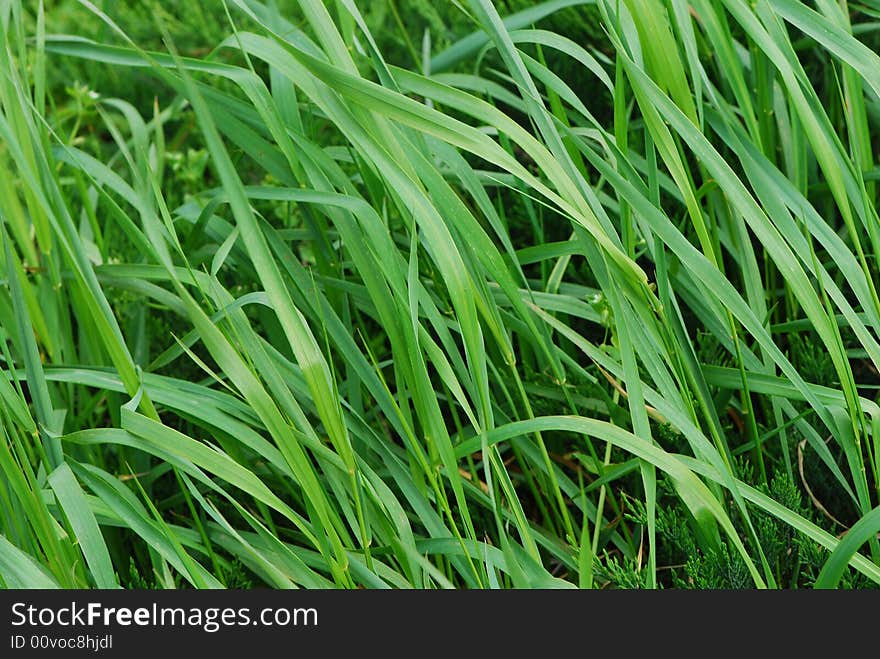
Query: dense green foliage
point(578, 293)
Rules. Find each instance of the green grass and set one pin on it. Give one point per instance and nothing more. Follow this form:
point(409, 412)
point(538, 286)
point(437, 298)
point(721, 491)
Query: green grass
point(561, 294)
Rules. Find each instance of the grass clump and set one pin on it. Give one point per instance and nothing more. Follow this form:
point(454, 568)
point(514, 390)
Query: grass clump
point(410, 295)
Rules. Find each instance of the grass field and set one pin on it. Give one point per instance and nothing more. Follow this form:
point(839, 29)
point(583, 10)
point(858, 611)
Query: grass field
point(578, 293)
